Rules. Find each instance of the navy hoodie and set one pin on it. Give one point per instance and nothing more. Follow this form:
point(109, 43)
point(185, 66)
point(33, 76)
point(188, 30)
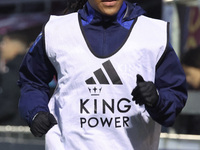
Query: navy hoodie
point(104, 35)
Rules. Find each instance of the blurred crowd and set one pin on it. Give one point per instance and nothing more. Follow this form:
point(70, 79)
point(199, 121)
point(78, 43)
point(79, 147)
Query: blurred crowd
point(13, 47)
point(20, 24)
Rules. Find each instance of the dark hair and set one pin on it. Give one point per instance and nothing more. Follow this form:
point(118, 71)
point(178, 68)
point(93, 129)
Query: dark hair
point(74, 5)
point(191, 57)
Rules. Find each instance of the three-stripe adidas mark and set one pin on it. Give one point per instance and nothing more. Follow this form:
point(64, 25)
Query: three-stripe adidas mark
point(101, 77)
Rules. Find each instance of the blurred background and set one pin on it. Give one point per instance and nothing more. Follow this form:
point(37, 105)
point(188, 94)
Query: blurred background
point(22, 20)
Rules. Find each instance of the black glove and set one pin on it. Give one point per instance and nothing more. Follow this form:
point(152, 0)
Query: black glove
point(42, 123)
point(145, 92)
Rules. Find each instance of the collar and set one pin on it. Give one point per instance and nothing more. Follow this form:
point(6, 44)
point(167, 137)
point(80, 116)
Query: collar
point(127, 12)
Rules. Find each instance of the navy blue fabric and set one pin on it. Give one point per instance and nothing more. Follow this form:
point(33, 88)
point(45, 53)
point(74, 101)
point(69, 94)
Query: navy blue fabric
point(104, 35)
point(171, 84)
point(35, 72)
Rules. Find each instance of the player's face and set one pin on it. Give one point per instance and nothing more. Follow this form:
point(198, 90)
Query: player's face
point(106, 7)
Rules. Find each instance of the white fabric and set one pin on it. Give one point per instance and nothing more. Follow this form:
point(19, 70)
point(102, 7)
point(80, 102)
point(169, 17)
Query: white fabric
point(81, 116)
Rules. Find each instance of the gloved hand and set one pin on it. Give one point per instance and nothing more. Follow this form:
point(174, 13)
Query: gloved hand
point(42, 123)
point(145, 92)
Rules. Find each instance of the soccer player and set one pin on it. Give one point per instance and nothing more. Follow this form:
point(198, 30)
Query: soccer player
point(118, 79)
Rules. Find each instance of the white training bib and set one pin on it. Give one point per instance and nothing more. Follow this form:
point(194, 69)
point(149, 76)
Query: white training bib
point(92, 102)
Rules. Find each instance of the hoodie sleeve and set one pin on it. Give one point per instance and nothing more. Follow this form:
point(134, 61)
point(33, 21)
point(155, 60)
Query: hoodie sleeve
point(35, 73)
point(171, 84)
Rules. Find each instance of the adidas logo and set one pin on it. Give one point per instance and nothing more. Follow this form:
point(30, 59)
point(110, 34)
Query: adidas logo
point(105, 75)
point(101, 77)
